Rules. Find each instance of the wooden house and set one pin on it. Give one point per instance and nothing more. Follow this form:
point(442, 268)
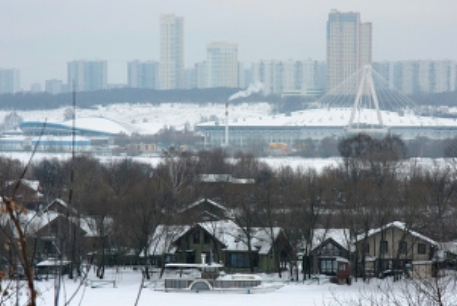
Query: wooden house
point(327, 248)
point(225, 242)
point(388, 249)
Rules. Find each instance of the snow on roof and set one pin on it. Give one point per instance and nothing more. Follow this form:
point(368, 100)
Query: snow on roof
point(52, 262)
point(220, 178)
point(32, 184)
point(199, 202)
point(91, 125)
point(449, 247)
point(233, 237)
point(101, 124)
point(60, 202)
point(34, 222)
point(91, 226)
point(338, 117)
point(339, 235)
point(400, 226)
point(163, 238)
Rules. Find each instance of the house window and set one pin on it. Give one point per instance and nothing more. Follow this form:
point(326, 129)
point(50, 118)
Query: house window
point(343, 267)
point(329, 266)
point(170, 258)
point(197, 237)
point(403, 247)
point(239, 260)
point(421, 248)
point(384, 247)
point(242, 260)
point(207, 238)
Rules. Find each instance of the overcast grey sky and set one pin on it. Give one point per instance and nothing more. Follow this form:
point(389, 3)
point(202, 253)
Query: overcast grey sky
point(40, 37)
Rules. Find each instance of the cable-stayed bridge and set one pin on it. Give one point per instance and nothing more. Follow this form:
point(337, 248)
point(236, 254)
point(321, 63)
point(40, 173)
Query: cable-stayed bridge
point(368, 94)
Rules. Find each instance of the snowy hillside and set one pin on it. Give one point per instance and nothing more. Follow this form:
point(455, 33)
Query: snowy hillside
point(149, 118)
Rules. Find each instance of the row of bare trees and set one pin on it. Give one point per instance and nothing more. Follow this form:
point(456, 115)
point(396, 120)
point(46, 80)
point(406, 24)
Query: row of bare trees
point(373, 185)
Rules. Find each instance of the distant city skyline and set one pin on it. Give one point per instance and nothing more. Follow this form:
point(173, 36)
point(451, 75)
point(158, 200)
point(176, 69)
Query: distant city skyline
point(42, 37)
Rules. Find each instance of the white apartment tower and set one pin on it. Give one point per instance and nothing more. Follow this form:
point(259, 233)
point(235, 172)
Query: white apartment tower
point(143, 74)
point(171, 52)
point(348, 46)
point(222, 59)
point(87, 75)
point(9, 81)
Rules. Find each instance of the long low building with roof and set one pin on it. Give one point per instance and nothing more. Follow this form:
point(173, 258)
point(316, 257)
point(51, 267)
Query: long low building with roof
point(87, 126)
point(322, 123)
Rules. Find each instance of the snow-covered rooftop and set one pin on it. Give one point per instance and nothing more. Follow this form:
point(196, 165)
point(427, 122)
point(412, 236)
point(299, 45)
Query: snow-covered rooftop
point(102, 124)
point(399, 225)
point(232, 236)
point(338, 117)
point(199, 202)
point(339, 235)
point(162, 240)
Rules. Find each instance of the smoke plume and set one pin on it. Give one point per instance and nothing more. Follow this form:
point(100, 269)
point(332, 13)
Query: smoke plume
point(253, 88)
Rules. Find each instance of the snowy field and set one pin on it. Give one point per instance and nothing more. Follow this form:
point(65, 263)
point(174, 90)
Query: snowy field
point(275, 163)
point(128, 285)
point(149, 118)
point(303, 294)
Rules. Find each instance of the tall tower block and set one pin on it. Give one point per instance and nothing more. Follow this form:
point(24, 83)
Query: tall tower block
point(171, 52)
point(348, 47)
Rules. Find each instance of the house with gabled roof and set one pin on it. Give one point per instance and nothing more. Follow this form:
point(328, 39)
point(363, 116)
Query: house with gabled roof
point(225, 242)
point(203, 210)
point(26, 192)
point(328, 246)
point(391, 248)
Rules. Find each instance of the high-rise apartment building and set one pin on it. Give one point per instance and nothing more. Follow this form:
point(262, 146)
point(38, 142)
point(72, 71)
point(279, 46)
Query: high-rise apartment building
point(87, 75)
point(348, 46)
point(222, 59)
point(9, 81)
point(143, 74)
point(269, 73)
point(419, 76)
point(171, 52)
point(289, 77)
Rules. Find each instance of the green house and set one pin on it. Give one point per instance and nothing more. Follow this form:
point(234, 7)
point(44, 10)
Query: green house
point(225, 242)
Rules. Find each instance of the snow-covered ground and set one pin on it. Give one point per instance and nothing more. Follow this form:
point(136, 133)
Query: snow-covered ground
point(275, 163)
point(150, 118)
point(303, 294)
point(128, 285)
